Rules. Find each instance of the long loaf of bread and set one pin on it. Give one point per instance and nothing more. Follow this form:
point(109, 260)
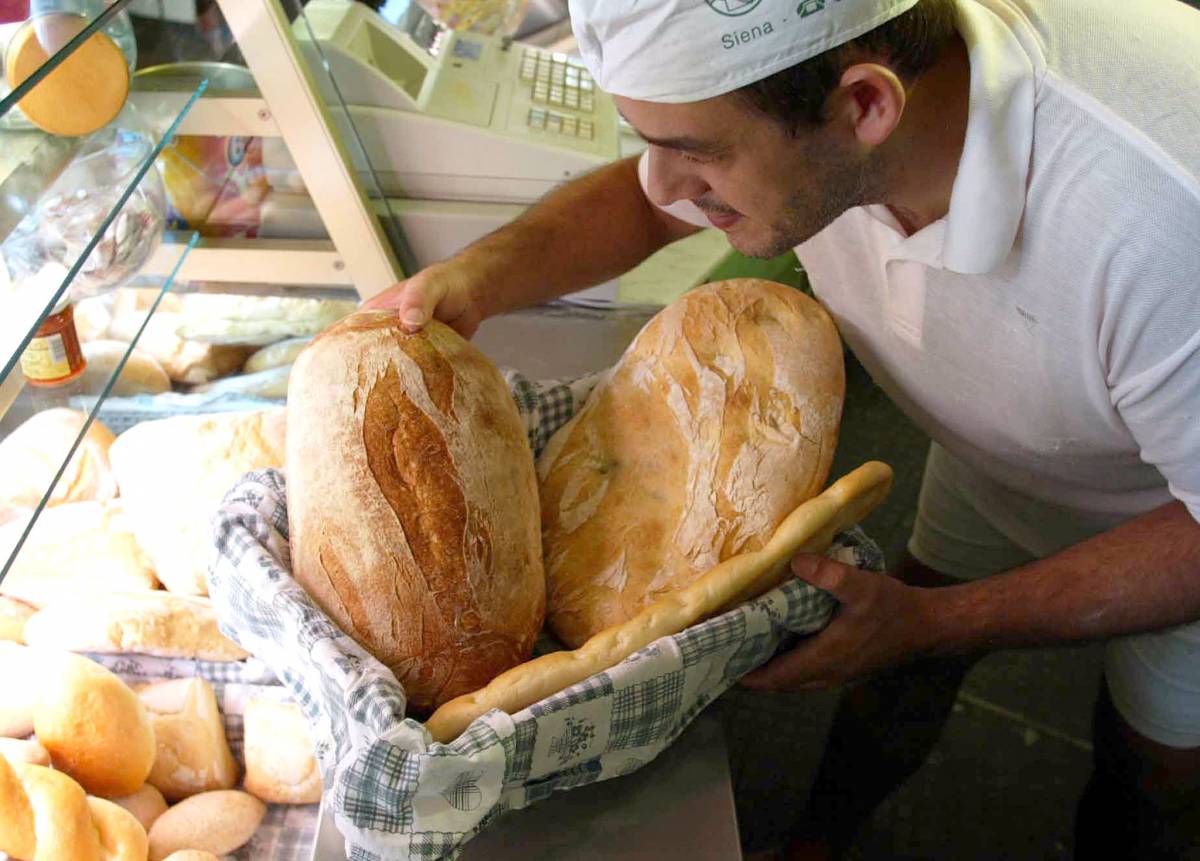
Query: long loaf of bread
point(810, 527)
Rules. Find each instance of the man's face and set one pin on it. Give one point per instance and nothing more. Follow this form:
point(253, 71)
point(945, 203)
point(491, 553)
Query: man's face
point(768, 190)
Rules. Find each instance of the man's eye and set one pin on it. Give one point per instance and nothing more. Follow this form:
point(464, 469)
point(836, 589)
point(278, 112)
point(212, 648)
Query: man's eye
point(695, 159)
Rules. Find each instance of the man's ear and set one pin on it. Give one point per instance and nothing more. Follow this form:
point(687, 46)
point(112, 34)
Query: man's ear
point(872, 99)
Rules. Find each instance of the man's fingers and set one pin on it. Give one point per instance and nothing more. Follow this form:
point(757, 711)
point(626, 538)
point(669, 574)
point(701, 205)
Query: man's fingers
point(787, 672)
point(836, 578)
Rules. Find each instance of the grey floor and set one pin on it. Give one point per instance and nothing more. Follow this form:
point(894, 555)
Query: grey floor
point(1002, 783)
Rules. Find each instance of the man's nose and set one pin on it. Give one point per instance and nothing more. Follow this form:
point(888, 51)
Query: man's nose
point(671, 178)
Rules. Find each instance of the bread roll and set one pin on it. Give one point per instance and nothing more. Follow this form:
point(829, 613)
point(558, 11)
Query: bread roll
point(46, 816)
point(74, 550)
point(271, 383)
point(174, 474)
point(142, 374)
point(184, 361)
point(18, 689)
point(281, 767)
point(191, 855)
point(93, 725)
point(122, 837)
point(261, 320)
point(413, 503)
point(92, 318)
point(13, 614)
point(149, 623)
point(146, 804)
point(216, 822)
point(193, 755)
point(719, 420)
point(276, 355)
point(31, 455)
point(26, 750)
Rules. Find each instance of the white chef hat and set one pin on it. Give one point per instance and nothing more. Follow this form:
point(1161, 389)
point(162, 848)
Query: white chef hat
point(687, 50)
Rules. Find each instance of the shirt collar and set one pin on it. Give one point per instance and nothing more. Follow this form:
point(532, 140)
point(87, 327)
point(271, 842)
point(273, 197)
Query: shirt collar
point(988, 198)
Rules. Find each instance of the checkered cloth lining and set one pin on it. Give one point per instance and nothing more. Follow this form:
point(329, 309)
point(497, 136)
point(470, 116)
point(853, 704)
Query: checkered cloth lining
point(393, 792)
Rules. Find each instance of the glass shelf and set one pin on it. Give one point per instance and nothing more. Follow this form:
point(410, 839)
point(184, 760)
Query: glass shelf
point(208, 149)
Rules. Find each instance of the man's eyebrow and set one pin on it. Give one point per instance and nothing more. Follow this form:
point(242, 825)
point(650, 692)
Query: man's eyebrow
point(685, 143)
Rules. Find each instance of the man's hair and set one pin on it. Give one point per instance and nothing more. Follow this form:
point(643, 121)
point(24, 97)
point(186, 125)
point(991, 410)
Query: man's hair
point(909, 44)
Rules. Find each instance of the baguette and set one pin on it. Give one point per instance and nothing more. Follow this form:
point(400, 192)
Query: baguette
point(810, 528)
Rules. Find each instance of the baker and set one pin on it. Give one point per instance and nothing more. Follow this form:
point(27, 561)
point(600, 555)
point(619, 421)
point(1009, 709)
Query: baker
point(999, 203)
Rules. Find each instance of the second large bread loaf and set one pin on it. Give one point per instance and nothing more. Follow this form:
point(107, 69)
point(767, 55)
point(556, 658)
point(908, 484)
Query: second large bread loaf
point(413, 503)
point(719, 420)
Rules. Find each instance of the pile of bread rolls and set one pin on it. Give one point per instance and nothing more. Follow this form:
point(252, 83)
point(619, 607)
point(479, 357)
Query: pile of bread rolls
point(117, 774)
point(79, 747)
point(199, 342)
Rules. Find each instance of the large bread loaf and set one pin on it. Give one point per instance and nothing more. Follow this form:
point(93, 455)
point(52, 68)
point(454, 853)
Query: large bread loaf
point(719, 420)
point(413, 503)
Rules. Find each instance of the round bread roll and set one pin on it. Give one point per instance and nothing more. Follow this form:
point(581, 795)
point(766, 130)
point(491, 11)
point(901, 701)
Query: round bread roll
point(281, 766)
point(31, 455)
point(142, 374)
point(719, 420)
point(192, 855)
point(26, 750)
point(13, 614)
point(216, 822)
point(94, 726)
point(92, 317)
point(413, 503)
point(277, 355)
point(146, 805)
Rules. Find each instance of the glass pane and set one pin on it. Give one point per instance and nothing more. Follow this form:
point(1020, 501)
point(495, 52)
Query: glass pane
point(52, 438)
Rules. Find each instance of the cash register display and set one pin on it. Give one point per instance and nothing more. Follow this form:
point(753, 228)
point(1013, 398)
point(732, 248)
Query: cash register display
point(416, 22)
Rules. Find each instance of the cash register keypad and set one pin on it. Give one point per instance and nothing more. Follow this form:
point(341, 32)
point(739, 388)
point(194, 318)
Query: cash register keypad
point(561, 124)
point(558, 80)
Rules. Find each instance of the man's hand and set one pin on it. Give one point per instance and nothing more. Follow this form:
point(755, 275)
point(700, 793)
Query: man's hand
point(438, 292)
point(880, 622)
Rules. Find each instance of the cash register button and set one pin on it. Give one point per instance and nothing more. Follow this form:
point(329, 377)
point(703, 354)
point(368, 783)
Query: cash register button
point(585, 129)
point(537, 119)
point(554, 124)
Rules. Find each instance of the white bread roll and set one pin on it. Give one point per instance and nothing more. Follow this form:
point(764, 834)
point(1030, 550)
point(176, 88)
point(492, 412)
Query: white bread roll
point(149, 623)
point(193, 755)
point(718, 421)
point(18, 689)
point(413, 503)
point(174, 474)
point(95, 728)
point(281, 767)
point(271, 383)
point(27, 750)
point(276, 355)
point(74, 550)
point(261, 320)
point(146, 804)
point(92, 317)
point(31, 455)
point(13, 615)
point(184, 361)
point(216, 822)
point(142, 374)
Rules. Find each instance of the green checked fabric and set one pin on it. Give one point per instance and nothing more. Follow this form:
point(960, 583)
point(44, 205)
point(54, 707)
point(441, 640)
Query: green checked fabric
point(392, 791)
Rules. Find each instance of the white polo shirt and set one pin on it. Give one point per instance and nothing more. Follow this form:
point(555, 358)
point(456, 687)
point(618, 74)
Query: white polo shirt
point(1046, 332)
